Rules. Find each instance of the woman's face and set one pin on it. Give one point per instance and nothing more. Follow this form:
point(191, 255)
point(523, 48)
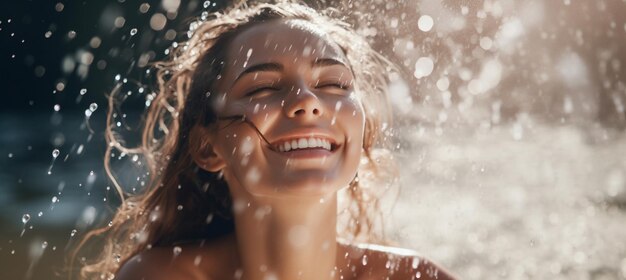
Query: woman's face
point(295, 86)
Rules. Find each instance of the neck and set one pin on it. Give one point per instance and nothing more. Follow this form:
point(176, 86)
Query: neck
point(288, 238)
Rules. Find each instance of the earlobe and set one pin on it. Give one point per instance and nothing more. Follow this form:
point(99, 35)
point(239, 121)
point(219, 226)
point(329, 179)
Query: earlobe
point(208, 160)
point(203, 151)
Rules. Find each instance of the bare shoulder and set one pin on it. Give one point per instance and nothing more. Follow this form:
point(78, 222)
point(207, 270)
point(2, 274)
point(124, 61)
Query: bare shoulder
point(193, 260)
point(380, 262)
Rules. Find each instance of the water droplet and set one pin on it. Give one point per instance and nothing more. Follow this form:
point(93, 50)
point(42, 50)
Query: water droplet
point(55, 153)
point(364, 260)
point(25, 218)
point(55, 199)
point(133, 32)
point(57, 107)
point(197, 260)
point(73, 232)
point(206, 4)
point(83, 91)
point(415, 263)
point(248, 54)
point(425, 23)
point(107, 276)
point(418, 274)
point(39, 214)
point(177, 251)
point(44, 244)
point(93, 107)
point(338, 105)
point(423, 67)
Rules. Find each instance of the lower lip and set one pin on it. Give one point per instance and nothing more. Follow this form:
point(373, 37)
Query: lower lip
point(306, 153)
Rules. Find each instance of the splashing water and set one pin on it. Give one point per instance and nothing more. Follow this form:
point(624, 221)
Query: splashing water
point(25, 219)
point(55, 154)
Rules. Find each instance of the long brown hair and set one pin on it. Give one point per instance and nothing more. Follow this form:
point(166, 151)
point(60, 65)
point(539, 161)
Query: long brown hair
point(182, 201)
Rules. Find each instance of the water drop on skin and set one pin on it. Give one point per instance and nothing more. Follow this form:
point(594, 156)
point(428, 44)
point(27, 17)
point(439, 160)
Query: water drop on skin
point(245, 63)
point(133, 32)
point(93, 107)
point(338, 106)
point(364, 260)
point(55, 153)
point(73, 233)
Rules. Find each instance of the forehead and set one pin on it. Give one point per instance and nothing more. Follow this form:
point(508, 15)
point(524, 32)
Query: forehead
point(281, 40)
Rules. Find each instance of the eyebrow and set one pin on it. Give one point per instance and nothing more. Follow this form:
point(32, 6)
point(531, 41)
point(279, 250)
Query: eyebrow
point(277, 67)
point(319, 62)
point(268, 66)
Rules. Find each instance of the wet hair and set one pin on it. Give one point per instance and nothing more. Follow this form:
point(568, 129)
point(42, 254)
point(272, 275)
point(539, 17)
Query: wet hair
point(184, 101)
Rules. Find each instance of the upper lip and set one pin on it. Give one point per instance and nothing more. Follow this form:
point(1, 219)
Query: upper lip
point(306, 133)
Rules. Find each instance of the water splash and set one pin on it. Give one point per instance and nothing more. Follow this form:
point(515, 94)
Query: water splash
point(55, 154)
point(25, 219)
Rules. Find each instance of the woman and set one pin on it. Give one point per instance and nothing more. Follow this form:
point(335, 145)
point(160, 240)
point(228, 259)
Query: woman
point(261, 117)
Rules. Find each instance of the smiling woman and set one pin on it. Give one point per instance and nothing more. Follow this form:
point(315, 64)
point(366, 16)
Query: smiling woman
point(262, 117)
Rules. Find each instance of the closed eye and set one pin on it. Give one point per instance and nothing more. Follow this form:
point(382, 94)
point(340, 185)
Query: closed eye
point(334, 85)
point(256, 91)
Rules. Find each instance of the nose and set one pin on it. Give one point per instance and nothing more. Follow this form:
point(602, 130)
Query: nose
point(302, 103)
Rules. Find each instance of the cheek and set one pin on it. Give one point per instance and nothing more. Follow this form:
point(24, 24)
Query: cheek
point(353, 118)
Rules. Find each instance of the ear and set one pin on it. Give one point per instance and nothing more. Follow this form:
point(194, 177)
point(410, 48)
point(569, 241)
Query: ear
point(203, 151)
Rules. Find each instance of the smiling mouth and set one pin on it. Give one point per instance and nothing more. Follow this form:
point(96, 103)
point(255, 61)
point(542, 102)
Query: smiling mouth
point(303, 144)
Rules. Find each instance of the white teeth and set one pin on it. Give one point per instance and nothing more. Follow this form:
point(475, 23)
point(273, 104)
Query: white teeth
point(303, 143)
point(287, 146)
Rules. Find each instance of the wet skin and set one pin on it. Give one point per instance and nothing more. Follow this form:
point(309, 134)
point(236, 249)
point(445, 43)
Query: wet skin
point(290, 81)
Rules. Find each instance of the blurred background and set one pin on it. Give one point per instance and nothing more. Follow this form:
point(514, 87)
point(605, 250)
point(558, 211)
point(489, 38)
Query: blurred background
point(509, 121)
